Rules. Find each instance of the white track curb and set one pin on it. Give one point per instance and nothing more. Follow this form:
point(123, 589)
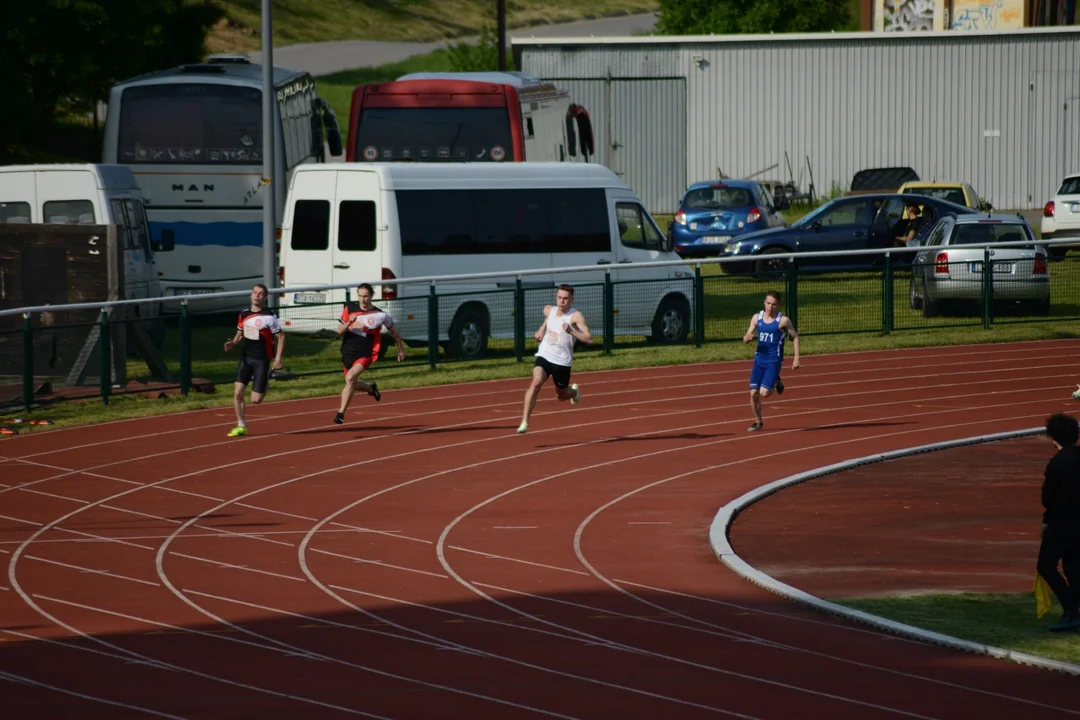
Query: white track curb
point(718, 538)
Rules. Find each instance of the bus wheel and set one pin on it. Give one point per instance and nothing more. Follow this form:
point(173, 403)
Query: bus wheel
point(671, 323)
point(469, 333)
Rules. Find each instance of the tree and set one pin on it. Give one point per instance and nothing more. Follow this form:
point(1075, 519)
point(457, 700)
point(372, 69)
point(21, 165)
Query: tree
point(66, 54)
point(478, 57)
point(732, 17)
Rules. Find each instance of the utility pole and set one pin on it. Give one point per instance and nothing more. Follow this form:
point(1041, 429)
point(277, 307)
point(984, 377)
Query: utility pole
point(268, 187)
point(500, 6)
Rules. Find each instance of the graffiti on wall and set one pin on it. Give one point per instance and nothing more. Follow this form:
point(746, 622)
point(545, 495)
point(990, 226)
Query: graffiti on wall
point(987, 14)
point(906, 15)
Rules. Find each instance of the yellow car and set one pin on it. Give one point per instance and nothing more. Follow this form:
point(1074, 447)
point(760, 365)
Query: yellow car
point(958, 193)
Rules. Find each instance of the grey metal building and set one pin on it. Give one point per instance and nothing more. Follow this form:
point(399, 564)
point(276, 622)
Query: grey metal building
point(1000, 110)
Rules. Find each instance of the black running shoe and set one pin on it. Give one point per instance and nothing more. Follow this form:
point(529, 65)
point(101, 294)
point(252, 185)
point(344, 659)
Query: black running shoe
point(339, 419)
point(754, 428)
point(375, 392)
point(779, 388)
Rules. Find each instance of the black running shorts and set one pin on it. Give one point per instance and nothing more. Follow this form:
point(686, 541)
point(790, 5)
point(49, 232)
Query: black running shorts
point(560, 374)
point(255, 370)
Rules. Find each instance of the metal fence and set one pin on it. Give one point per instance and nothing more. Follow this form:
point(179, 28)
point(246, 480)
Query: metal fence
point(104, 350)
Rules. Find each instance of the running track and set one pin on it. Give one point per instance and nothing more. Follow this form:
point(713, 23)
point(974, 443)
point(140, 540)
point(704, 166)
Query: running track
point(424, 561)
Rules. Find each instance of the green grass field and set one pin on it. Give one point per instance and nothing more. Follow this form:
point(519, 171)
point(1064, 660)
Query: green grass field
point(1002, 620)
point(309, 21)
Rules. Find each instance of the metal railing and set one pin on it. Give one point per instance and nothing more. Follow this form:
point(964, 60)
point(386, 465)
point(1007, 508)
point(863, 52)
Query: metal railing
point(94, 349)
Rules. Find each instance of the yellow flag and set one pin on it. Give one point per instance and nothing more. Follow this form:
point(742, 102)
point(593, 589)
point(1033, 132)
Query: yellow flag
point(1043, 602)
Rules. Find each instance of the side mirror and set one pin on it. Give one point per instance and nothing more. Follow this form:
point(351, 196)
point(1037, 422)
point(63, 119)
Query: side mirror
point(989, 207)
point(333, 132)
point(671, 225)
point(165, 243)
point(816, 226)
point(667, 244)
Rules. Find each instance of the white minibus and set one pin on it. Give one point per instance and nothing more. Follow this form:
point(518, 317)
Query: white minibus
point(347, 223)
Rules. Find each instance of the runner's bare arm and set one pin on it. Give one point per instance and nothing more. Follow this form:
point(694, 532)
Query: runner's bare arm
point(280, 338)
point(230, 344)
point(750, 333)
point(577, 322)
point(786, 326)
point(400, 343)
point(543, 325)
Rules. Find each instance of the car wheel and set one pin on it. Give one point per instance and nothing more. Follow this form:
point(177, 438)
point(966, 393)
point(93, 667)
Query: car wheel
point(914, 301)
point(929, 307)
point(469, 334)
point(770, 267)
point(671, 324)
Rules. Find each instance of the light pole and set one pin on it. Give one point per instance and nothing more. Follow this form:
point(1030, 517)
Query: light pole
point(500, 11)
point(269, 218)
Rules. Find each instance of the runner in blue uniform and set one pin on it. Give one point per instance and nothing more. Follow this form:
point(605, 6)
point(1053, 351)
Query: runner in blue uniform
point(771, 328)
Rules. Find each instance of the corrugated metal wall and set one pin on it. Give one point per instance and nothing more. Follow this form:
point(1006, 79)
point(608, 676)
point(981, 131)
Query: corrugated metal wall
point(639, 129)
point(997, 110)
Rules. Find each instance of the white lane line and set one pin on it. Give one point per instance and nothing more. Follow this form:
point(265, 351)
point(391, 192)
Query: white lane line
point(380, 564)
point(11, 677)
point(91, 570)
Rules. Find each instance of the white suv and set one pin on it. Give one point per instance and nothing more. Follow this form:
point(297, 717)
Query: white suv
point(1061, 216)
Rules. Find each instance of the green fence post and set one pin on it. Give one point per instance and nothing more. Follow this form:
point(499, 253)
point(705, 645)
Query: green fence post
point(433, 327)
point(792, 293)
point(28, 363)
point(519, 320)
point(699, 306)
point(987, 289)
point(105, 345)
point(609, 313)
point(185, 349)
point(887, 302)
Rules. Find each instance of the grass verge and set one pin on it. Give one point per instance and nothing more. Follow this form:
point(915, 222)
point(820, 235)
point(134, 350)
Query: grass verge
point(1002, 620)
point(309, 21)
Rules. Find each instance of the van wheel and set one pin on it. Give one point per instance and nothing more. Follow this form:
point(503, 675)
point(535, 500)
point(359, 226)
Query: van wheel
point(671, 323)
point(469, 334)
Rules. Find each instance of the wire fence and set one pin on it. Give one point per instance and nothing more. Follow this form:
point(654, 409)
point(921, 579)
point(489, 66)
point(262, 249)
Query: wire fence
point(103, 350)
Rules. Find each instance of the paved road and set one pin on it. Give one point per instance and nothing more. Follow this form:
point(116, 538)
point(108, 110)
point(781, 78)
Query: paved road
point(330, 57)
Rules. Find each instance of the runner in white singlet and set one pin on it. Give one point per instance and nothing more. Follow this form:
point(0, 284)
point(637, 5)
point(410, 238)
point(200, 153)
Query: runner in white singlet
point(561, 327)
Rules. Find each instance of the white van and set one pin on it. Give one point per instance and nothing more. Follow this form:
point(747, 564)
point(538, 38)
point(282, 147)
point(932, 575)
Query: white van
point(88, 194)
point(358, 222)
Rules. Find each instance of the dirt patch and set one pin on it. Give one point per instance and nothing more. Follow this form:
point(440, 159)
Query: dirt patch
point(959, 520)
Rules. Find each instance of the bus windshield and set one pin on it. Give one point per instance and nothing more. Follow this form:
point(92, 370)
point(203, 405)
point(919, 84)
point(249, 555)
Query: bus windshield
point(434, 134)
point(191, 123)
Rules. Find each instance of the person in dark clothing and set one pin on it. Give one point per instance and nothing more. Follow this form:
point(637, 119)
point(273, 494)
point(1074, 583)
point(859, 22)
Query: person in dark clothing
point(1061, 520)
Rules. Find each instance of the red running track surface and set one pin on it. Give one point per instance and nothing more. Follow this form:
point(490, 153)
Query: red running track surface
point(424, 561)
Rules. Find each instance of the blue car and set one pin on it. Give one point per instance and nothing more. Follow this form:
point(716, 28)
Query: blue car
point(712, 213)
point(860, 222)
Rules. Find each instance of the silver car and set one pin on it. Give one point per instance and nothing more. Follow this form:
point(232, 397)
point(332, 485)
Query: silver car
point(948, 269)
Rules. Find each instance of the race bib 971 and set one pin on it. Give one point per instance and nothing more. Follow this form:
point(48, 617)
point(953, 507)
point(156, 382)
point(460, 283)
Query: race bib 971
point(251, 332)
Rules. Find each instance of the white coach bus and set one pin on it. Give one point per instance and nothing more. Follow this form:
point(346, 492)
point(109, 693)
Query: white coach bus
point(353, 222)
point(192, 135)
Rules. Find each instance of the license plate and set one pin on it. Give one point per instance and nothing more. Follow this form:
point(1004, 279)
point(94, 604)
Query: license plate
point(309, 298)
point(194, 291)
point(715, 239)
point(977, 267)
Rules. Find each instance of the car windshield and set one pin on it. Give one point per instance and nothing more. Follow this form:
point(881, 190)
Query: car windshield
point(979, 233)
point(718, 198)
point(1071, 186)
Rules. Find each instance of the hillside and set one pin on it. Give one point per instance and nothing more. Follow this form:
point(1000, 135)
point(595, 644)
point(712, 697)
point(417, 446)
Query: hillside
point(307, 21)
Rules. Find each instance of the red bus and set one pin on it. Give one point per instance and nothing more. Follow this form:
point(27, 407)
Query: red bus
point(467, 117)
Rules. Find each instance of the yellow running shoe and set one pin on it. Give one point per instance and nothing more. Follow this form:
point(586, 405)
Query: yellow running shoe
point(238, 431)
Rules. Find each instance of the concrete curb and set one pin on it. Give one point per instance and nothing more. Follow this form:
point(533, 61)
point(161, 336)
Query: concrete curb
point(718, 538)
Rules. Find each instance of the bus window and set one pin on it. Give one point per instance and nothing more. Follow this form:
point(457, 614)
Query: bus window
point(190, 124)
point(426, 134)
point(15, 212)
point(311, 225)
point(69, 212)
point(356, 225)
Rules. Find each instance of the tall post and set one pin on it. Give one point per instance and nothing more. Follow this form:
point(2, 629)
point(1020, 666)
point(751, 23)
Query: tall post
point(500, 6)
point(269, 217)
